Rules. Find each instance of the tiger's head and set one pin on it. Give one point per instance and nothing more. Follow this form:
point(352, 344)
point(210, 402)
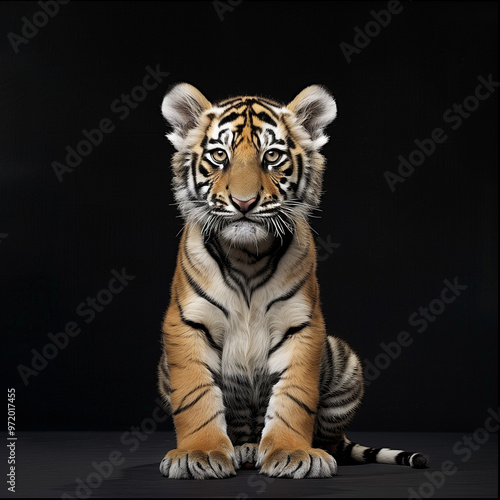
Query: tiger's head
point(247, 168)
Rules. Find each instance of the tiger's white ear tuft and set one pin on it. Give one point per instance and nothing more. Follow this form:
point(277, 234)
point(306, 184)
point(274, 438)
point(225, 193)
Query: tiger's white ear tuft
point(182, 107)
point(314, 109)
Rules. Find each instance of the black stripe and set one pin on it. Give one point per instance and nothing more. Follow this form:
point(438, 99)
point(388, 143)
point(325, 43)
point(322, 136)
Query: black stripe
point(291, 292)
point(194, 161)
point(228, 101)
point(288, 424)
point(291, 331)
point(402, 458)
point(347, 452)
point(204, 171)
point(256, 141)
point(370, 455)
point(300, 167)
point(201, 184)
point(197, 288)
point(189, 405)
point(190, 474)
point(282, 192)
point(265, 118)
point(197, 388)
point(269, 202)
point(352, 395)
point(213, 248)
point(267, 105)
point(207, 422)
point(301, 404)
point(199, 326)
point(229, 118)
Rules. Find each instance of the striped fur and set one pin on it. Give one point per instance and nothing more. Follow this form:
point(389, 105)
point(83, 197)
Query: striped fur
point(248, 370)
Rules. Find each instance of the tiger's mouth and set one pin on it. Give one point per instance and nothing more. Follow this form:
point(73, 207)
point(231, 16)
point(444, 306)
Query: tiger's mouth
point(253, 226)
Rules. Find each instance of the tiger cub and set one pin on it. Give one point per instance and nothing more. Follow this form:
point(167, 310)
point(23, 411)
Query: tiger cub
point(248, 370)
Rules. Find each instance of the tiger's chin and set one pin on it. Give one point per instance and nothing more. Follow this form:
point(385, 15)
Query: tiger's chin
point(244, 233)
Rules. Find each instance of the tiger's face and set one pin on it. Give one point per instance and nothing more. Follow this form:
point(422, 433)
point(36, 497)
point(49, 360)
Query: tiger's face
point(247, 169)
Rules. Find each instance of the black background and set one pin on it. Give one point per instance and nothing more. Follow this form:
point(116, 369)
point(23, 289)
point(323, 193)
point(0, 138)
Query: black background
point(114, 210)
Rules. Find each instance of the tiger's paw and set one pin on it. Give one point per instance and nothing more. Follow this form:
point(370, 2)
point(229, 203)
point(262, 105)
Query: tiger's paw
point(197, 464)
point(246, 455)
point(298, 464)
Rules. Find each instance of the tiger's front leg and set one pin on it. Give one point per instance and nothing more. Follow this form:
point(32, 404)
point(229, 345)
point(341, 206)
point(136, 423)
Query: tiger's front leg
point(286, 448)
point(204, 449)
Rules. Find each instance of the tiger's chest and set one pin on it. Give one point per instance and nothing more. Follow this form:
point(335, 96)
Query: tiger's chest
point(246, 338)
point(246, 333)
point(244, 376)
point(247, 305)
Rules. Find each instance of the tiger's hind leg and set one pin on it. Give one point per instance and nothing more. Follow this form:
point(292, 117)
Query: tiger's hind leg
point(341, 390)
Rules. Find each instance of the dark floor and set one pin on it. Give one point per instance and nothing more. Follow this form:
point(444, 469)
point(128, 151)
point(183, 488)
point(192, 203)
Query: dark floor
point(62, 464)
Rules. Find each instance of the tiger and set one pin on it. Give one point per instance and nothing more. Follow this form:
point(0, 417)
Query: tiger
point(248, 370)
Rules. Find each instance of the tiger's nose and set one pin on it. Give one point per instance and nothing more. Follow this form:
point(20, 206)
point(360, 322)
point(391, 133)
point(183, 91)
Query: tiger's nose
point(244, 205)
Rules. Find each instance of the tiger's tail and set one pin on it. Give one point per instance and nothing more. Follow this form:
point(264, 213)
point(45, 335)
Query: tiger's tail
point(349, 453)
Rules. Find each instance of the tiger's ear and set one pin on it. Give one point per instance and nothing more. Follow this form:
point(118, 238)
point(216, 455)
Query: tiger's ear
point(314, 108)
point(182, 107)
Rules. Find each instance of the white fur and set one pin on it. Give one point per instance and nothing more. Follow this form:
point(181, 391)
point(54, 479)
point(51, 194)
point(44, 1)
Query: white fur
point(248, 333)
point(182, 107)
point(314, 108)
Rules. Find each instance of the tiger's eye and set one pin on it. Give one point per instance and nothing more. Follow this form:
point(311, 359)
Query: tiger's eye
point(219, 155)
point(272, 156)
